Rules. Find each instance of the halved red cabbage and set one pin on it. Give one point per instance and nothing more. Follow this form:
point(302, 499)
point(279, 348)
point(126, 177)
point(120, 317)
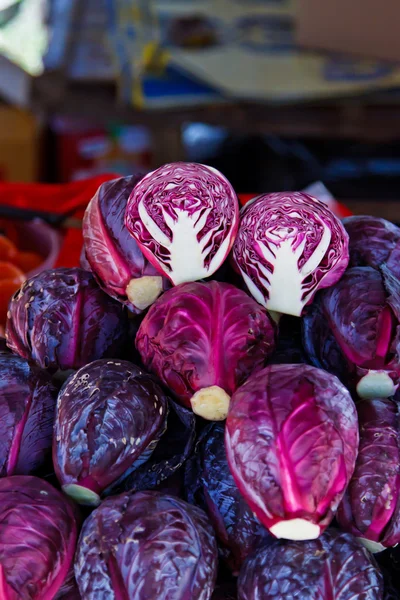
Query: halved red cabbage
point(27, 407)
point(291, 439)
point(184, 217)
point(334, 567)
point(146, 545)
point(61, 319)
point(373, 242)
point(289, 245)
point(38, 534)
point(210, 485)
point(370, 508)
point(110, 415)
point(352, 330)
point(113, 254)
point(203, 340)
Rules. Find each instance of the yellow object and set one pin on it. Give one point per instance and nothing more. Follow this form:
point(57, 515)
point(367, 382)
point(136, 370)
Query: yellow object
point(19, 145)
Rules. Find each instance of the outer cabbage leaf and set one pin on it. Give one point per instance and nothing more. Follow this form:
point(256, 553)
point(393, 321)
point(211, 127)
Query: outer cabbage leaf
point(113, 254)
point(210, 485)
point(203, 340)
point(110, 415)
point(371, 505)
point(27, 406)
point(373, 242)
point(146, 545)
point(61, 319)
point(352, 330)
point(291, 439)
point(335, 566)
point(38, 535)
point(184, 217)
point(174, 447)
point(289, 245)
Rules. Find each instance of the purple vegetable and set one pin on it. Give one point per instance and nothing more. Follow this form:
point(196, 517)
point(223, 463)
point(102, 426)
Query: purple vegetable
point(210, 485)
point(38, 534)
point(113, 254)
point(203, 340)
point(371, 505)
point(171, 452)
point(69, 589)
point(60, 319)
point(352, 330)
point(373, 242)
point(144, 546)
point(110, 415)
point(289, 245)
point(27, 406)
point(184, 217)
point(291, 439)
point(334, 567)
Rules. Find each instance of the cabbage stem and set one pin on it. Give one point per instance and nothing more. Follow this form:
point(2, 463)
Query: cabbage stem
point(211, 403)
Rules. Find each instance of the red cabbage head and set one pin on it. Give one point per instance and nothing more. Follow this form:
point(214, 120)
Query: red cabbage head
point(291, 439)
point(184, 217)
point(352, 330)
point(289, 245)
point(146, 545)
point(38, 534)
point(110, 416)
point(27, 407)
point(113, 254)
point(203, 340)
point(61, 320)
point(373, 242)
point(370, 508)
point(336, 566)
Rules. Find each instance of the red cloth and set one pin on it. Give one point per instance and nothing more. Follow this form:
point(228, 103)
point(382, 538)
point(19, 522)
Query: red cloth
point(57, 198)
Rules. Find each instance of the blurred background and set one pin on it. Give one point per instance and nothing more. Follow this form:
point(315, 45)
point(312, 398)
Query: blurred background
point(277, 94)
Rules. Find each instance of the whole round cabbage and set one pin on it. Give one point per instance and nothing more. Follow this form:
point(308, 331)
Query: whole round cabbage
point(184, 217)
point(289, 245)
point(334, 567)
point(291, 439)
point(113, 254)
point(27, 407)
point(373, 242)
point(38, 534)
point(110, 415)
point(352, 330)
point(61, 319)
point(203, 340)
point(370, 508)
point(146, 545)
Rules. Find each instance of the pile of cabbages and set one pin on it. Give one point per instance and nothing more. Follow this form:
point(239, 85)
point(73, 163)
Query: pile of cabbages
point(207, 407)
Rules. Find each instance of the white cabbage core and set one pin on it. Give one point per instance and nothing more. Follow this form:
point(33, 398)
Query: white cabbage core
point(376, 384)
point(211, 403)
point(81, 495)
point(143, 291)
point(186, 261)
point(286, 284)
point(295, 529)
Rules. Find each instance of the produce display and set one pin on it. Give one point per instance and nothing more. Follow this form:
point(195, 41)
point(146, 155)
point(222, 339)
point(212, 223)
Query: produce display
point(206, 409)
